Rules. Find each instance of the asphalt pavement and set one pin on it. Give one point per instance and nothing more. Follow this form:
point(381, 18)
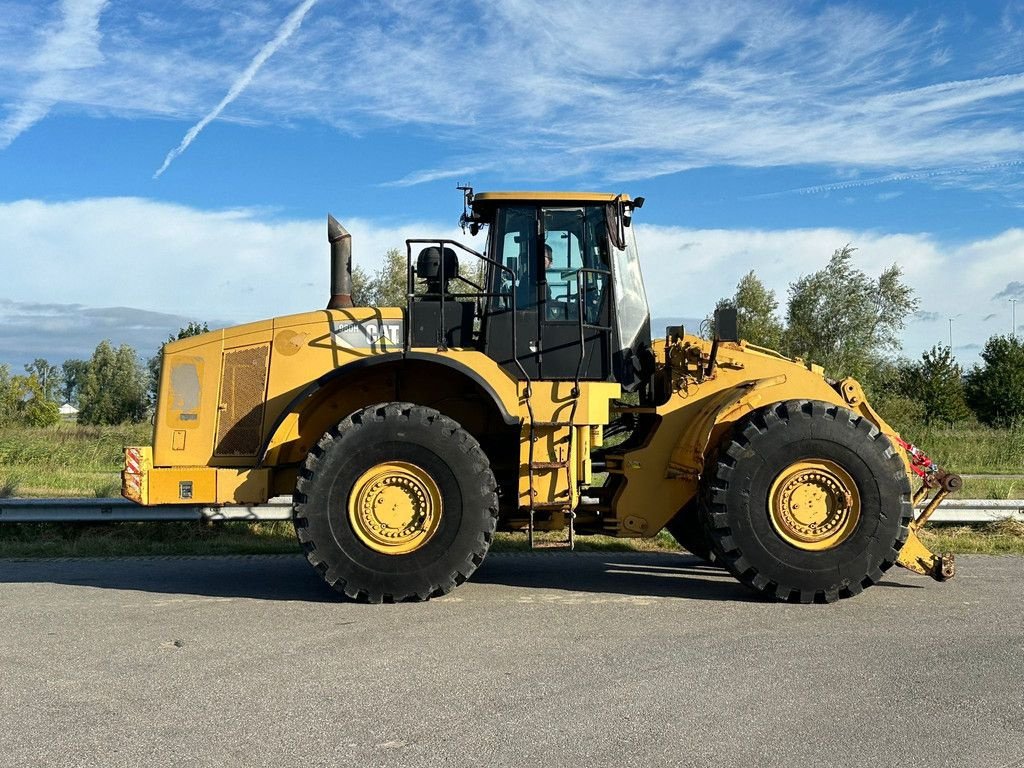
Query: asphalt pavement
point(542, 660)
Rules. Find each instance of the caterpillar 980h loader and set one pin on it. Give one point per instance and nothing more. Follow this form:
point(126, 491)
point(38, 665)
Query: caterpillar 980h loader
point(409, 435)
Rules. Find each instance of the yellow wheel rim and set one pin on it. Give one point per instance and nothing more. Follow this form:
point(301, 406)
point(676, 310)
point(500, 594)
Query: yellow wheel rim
point(814, 504)
point(394, 508)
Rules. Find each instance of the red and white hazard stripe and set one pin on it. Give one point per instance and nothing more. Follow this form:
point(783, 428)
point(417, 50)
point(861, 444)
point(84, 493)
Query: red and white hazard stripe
point(132, 461)
point(131, 478)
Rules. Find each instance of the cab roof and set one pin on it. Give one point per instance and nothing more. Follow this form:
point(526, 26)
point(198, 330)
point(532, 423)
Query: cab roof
point(487, 201)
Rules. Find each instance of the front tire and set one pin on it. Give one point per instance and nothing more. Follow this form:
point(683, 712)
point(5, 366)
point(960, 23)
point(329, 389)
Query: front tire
point(398, 502)
point(807, 502)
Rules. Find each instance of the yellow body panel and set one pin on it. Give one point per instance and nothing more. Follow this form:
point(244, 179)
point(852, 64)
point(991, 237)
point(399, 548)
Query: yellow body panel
point(664, 474)
point(242, 398)
point(237, 412)
point(297, 349)
point(198, 485)
point(183, 485)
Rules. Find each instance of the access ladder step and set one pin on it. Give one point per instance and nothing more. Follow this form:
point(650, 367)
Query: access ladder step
point(549, 465)
point(564, 544)
point(547, 506)
point(552, 424)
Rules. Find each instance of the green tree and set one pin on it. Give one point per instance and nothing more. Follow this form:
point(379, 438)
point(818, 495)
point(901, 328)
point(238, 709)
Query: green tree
point(23, 402)
point(389, 285)
point(8, 403)
point(155, 363)
point(37, 410)
point(756, 308)
point(995, 390)
point(362, 287)
point(114, 390)
point(72, 377)
point(843, 319)
point(936, 381)
point(48, 377)
point(885, 390)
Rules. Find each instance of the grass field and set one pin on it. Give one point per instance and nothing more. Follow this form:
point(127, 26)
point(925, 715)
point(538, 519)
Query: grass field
point(31, 540)
point(69, 460)
point(65, 460)
point(972, 449)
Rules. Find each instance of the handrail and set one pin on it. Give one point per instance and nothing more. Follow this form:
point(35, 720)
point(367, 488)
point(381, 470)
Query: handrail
point(480, 294)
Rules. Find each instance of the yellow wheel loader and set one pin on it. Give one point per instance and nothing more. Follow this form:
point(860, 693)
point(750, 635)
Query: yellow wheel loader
point(520, 389)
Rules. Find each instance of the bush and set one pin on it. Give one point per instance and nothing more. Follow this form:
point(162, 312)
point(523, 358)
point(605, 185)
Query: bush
point(23, 401)
point(936, 382)
point(995, 390)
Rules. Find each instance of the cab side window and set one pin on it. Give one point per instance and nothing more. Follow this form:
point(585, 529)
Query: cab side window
point(575, 259)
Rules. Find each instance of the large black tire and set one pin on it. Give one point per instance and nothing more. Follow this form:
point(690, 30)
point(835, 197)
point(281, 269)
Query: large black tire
point(687, 527)
point(736, 502)
point(413, 435)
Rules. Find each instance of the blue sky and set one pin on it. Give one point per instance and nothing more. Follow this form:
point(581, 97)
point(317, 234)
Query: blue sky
point(166, 161)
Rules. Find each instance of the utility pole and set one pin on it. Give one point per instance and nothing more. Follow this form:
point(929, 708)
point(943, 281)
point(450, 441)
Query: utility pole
point(951, 334)
point(1013, 318)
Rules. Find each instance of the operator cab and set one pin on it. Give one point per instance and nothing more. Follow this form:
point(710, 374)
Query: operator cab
point(560, 296)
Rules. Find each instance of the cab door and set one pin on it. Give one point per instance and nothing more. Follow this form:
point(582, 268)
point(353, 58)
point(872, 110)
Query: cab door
point(574, 294)
point(511, 328)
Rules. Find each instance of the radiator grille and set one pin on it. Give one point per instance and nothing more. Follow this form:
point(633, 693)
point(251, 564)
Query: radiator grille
point(243, 389)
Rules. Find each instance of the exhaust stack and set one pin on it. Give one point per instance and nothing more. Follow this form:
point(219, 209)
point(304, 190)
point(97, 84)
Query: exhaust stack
point(341, 265)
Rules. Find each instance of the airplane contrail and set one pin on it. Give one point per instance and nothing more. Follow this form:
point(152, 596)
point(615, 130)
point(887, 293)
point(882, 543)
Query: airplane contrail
point(286, 30)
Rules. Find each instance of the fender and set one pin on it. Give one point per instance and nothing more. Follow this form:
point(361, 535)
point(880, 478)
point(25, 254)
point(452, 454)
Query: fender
point(375, 361)
point(691, 448)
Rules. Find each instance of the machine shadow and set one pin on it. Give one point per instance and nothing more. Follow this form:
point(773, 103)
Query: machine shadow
point(290, 578)
point(632, 574)
point(257, 577)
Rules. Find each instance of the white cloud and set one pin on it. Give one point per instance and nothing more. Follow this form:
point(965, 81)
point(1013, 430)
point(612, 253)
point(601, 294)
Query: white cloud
point(546, 90)
point(69, 45)
point(687, 270)
point(243, 265)
point(238, 265)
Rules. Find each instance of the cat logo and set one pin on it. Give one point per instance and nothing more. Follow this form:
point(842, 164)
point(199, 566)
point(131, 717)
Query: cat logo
point(375, 335)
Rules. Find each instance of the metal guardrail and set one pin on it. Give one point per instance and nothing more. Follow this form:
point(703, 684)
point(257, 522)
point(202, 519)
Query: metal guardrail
point(967, 511)
point(125, 511)
point(979, 510)
point(992, 477)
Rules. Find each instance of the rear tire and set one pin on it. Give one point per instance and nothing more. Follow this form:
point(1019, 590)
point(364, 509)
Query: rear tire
point(404, 457)
point(780, 462)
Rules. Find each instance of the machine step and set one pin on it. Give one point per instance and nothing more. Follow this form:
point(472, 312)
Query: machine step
point(548, 506)
point(569, 543)
point(549, 465)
